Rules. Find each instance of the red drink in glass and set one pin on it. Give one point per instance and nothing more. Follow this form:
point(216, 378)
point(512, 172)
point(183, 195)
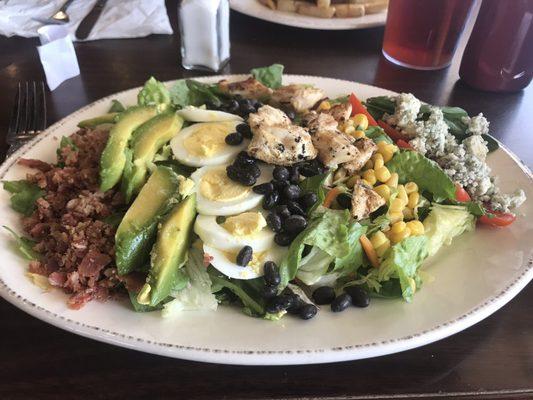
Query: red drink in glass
point(499, 54)
point(423, 34)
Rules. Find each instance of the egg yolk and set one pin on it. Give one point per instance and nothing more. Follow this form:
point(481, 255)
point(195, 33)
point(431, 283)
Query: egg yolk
point(216, 186)
point(208, 139)
point(245, 224)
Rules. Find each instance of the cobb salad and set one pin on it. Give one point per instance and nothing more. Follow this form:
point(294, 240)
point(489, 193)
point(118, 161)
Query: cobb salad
point(271, 197)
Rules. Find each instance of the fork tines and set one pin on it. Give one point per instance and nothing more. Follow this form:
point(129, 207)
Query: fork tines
point(29, 112)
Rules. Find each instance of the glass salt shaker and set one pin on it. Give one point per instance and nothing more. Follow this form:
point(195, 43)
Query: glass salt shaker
point(204, 28)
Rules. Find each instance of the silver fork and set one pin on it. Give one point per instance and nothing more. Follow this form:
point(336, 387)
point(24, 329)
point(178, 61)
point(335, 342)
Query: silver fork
point(28, 117)
point(59, 17)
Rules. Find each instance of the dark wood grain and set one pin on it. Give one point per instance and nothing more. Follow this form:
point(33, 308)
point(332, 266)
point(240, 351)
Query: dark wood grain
point(493, 359)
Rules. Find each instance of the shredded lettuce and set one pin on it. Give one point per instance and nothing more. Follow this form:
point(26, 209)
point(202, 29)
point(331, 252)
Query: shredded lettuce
point(444, 223)
point(197, 294)
point(24, 245)
point(335, 233)
point(24, 195)
point(153, 93)
point(270, 76)
point(413, 166)
point(314, 266)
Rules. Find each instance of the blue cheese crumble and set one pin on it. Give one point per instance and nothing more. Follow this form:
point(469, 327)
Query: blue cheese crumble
point(465, 162)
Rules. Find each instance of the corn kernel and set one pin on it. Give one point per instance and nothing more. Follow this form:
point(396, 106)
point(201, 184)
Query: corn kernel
point(416, 227)
point(393, 180)
point(411, 187)
point(397, 205)
point(398, 237)
point(383, 191)
point(325, 105)
point(408, 213)
point(398, 227)
point(369, 164)
point(361, 121)
point(402, 194)
point(395, 216)
point(349, 130)
point(349, 122)
point(352, 181)
point(381, 250)
point(378, 238)
point(378, 160)
point(413, 200)
point(358, 134)
point(370, 176)
point(367, 183)
point(381, 145)
point(382, 174)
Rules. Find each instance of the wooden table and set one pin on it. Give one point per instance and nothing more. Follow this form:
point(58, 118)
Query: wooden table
point(493, 359)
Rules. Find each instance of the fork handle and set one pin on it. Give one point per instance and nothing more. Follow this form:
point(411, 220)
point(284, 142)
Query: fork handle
point(65, 6)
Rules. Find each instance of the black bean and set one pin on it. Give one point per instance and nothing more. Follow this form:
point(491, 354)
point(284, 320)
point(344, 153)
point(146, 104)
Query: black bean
point(283, 239)
point(309, 170)
point(234, 139)
point(271, 274)
point(243, 158)
point(263, 188)
point(269, 292)
point(344, 200)
point(238, 175)
point(220, 219)
point(270, 200)
point(252, 169)
point(281, 173)
point(210, 105)
point(308, 311)
point(246, 108)
point(295, 208)
point(233, 106)
point(294, 224)
point(294, 174)
point(257, 104)
point(341, 302)
point(274, 222)
point(360, 297)
point(297, 304)
point(308, 200)
point(292, 192)
point(245, 256)
point(290, 114)
point(244, 130)
point(283, 211)
point(278, 303)
point(324, 295)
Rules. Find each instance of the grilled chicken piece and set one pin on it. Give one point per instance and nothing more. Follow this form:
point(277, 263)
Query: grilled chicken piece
point(300, 98)
point(340, 112)
point(334, 147)
point(364, 201)
point(319, 122)
point(276, 140)
point(366, 148)
point(251, 88)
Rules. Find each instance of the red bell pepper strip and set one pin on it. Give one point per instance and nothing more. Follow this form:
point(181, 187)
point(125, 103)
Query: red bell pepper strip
point(359, 108)
point(389, 130)
point(402, 144)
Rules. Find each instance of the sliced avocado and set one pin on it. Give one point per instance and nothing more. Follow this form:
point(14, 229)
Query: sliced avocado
point(169, 252)
point(145, 143)
point(113, 158)
point(108, 118)
point(138, 229)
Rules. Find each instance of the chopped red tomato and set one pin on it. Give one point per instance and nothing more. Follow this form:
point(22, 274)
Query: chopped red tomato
point(389, 130)
point(499, 218)
point(359, 108)
point(461, 194)
point(402, 144)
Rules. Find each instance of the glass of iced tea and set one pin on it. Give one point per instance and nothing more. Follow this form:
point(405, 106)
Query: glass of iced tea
point(423, 34)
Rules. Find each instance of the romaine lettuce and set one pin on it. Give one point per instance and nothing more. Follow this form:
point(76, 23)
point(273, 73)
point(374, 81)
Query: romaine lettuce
point(24, 194)
point(197, 294)
point(335, 233)
point(412, 166)
point(270, 76)
point(444, 223)
point(153, 93)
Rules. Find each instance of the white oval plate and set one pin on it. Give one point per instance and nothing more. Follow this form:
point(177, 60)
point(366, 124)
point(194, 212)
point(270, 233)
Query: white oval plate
point(469, 280)
point(254, 9)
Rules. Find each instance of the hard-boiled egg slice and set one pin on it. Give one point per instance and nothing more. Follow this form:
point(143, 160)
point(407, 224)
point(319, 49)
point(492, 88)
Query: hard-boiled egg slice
point(204, 144)
point(195, 114)
point(233, 235)
point(219, 195)
point(225, 261)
